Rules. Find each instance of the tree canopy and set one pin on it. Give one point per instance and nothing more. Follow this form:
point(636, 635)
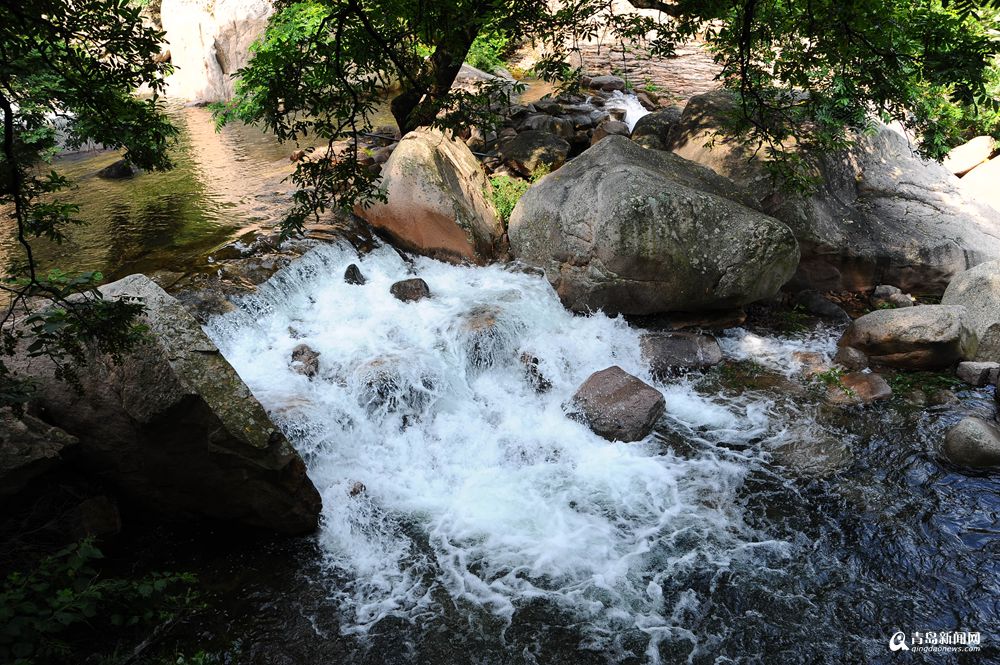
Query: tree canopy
point(808, 70)
point(76, 65)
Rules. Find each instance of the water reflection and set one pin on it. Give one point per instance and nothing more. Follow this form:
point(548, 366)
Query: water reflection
point(223, 183)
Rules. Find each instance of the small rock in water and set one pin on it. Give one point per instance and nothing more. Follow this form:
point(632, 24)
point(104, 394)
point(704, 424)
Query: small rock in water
point(357, 489)
point(812, 362)
point(410, 290)
point(973, 442)
point(851, 358)
point(305, 361)
point(353, 275)
point(673, 351)
point(533, 374)
point(117, 171)
point(618, 406)
point(978, 374)
point(859, 388)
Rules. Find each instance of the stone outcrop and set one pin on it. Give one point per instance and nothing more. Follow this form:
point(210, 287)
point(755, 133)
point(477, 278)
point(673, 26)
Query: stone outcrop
point(978, 290)
point(437, 203)
point(28, 449)
point(175, 429)
point(618, 406)
point(881, 215)
point(629, 230)
point(925, 337)
point(209, 41)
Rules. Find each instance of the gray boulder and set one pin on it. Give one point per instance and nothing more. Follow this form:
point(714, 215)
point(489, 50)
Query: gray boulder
point(534, 149)
point(175, 429)
point(978, 290)
point(654, 130)
point(618, 406)
point(28, 449)
point(636, 231)
point(978, 374)
point(609, 128)
point(925, 337)
point(973, 442)
point(881, 214)
point(607, 83)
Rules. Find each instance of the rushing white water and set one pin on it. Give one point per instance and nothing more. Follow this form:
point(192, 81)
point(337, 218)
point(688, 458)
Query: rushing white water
point(630, 104)
point(478, 488)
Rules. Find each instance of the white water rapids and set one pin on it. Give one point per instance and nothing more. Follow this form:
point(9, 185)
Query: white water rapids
point(479, 491)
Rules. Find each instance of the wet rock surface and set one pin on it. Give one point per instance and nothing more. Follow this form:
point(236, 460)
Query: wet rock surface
point(974, 442)
point(669, 352)
point(410, 290)
point(618, 406)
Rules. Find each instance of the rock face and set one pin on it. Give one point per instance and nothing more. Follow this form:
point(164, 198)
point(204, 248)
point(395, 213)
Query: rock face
point(973, 442)
point(305, 361)
point(175, 429)
point(981, 183)
point(209, 41)
point(637, 231)
point(881, 215)
point(668, 352)
point(535, 149)
point(28, 448)
point(437, 200)
point(619, 406)
point(969, 155)
point(925, 337)
point(978, 290)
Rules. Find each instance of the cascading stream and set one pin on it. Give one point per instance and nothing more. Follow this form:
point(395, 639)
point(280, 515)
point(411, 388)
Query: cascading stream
point(479, 490)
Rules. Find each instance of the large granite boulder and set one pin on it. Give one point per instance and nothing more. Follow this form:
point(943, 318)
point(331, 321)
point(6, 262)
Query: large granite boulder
point(882, 215)
point(210, 41)
point(969, 155)
point(925, 337)
point(175, 429)
point(980, 183)
point(629, 230)
point(437, 203)
point(978, 290)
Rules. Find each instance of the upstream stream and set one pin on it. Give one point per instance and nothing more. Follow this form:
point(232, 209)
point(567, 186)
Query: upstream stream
point(468, 520)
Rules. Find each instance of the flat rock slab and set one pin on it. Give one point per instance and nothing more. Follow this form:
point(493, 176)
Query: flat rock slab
point(618, 406)
point(668, 352)
point(859, 389)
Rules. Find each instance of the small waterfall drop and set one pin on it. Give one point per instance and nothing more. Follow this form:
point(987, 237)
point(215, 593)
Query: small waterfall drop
point(478, 491)
point(630, 104)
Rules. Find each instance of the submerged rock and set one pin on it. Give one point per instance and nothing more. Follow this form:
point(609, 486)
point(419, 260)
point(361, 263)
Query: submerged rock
point(667, 352)
point(634, 231)
point(858, 389)
point(925, 337)
point(118, 171)
point(305, 361)
point(618, 406)
point(973, 442)
point(437, 203)
point(410, 290)
point(881, 214)
point(174, 428)
point(978, 290)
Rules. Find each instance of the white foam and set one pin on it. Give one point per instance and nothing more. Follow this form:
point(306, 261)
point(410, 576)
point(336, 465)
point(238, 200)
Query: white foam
point(476, 484)
point(630, 104)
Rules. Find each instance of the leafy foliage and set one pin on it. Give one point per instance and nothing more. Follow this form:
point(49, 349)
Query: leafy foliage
point(69, 67)
point(810, 74)
point(507, 192)
point(46, 614)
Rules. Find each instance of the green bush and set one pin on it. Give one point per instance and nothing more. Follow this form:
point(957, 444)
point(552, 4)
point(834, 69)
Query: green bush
point(51, 614)
point(507, 192)
point(488, 51)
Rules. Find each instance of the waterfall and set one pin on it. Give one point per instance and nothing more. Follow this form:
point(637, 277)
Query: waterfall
point(477, 488)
